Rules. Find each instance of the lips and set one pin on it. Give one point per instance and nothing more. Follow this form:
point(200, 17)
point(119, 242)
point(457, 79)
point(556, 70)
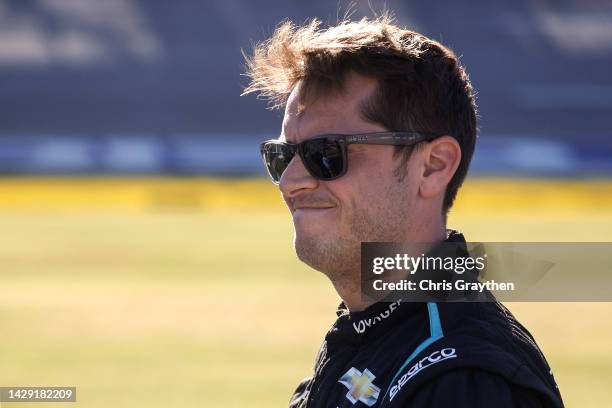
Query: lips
point(311, 210)
point(305, 204)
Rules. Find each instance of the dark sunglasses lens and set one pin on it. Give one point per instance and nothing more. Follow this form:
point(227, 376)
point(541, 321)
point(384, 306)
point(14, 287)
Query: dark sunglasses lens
point(276, 158)
point(324, 158)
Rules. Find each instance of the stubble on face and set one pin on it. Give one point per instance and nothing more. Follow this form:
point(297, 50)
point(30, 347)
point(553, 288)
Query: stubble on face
point(378, 216)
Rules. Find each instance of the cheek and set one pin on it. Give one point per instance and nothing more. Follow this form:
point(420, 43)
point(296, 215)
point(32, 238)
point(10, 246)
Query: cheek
point(364, 198)
point(382, 195)
point(376, 188)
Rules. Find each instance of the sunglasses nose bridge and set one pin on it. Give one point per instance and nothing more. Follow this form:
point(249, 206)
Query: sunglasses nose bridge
point(295, 167)
point(296, 178)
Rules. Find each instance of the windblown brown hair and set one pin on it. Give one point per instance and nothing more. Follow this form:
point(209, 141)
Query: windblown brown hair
point(421, 84)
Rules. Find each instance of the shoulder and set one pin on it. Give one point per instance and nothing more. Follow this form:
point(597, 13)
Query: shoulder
point(472, 388)
point(480, 344)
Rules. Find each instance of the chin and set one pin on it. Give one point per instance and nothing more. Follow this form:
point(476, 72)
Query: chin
point(330, 255)
point(311, 251)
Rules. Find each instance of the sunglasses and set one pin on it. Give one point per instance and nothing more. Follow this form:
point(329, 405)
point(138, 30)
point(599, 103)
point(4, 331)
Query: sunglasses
point(325, 156)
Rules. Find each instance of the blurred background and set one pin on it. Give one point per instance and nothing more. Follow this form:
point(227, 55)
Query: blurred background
point(147, 261)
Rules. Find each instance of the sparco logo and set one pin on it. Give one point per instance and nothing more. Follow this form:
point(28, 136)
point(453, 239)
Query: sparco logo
point(433, 358)
point(363, 324)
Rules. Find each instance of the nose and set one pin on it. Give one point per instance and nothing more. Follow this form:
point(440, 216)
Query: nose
point(296, 179)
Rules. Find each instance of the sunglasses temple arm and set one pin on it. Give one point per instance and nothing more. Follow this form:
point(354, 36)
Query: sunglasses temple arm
point(391, 140)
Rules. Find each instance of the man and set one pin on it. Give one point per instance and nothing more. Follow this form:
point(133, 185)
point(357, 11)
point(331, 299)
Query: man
point(378, 133)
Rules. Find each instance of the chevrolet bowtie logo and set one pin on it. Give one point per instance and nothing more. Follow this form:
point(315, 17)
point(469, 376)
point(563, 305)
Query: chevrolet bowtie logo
point(360, 387)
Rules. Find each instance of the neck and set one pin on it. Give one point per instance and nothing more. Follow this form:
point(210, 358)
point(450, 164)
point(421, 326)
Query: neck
point(348, 285)
point(350, 293)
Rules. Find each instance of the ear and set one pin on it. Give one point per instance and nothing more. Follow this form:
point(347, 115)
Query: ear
point(441, 158)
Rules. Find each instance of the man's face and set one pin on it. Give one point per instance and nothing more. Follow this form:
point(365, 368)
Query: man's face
point(368, 203)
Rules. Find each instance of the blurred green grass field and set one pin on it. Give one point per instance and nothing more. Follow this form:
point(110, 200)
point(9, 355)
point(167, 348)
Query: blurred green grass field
point(152, 293)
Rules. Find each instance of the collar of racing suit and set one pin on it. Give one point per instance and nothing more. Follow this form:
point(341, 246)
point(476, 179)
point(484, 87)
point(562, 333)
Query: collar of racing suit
point(355, 328)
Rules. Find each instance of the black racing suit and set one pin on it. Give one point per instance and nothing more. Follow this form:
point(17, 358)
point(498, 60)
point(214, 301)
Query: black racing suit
point(402, 354)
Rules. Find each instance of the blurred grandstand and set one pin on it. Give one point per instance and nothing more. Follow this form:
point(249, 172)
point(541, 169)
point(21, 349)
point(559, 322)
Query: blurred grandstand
point(149, 87)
